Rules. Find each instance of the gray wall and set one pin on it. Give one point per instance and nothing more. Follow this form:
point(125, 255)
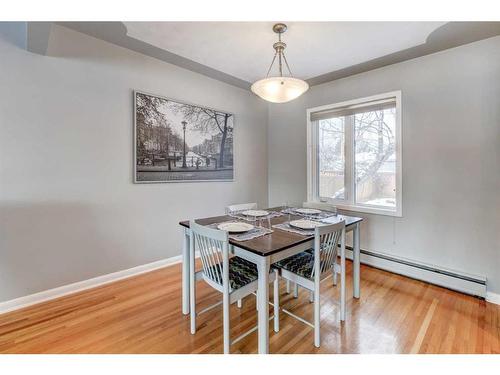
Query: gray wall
point(68, 208)
point(451, 157)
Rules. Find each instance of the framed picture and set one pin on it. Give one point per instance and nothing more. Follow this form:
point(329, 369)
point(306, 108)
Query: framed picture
point(179, 142)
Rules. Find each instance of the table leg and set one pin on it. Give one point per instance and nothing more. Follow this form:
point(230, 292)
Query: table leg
point(185, 272)
point(356, 261)
point(342, 278)
point(263, 298)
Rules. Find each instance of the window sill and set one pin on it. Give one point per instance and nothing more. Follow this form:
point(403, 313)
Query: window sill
point(363, 209)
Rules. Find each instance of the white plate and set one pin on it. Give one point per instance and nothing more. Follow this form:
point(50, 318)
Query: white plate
point(304, 224)
point(256, 213)
point(308, 211)
point(235, 227)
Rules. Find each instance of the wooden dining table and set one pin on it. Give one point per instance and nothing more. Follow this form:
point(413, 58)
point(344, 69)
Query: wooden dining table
point(264, 251)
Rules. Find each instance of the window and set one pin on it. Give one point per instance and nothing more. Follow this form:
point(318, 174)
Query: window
point(354, 154)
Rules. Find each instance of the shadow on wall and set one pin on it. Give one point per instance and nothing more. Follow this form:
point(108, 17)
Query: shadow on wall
point(46, 245)
point(14, 32)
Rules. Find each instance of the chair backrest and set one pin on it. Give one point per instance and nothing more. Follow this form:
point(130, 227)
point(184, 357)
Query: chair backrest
point(320, 206)
point(240, 207)
point(213, 246)
point(326, 242)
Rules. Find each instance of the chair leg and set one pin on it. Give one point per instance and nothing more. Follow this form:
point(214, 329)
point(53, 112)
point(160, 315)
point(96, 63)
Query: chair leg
point(226, 328)
point(276, 296)
point(342, 286)
point(192, 307)
point(288, 287)
point(311, 296)
point(239, 303)
point(316, 319)
point(295, 290)
point(334, 278)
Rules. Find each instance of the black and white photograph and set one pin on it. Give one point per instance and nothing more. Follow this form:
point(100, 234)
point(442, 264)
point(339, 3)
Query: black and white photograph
point(176, 141)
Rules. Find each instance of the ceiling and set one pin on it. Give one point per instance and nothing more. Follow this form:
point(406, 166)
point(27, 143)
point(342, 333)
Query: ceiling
point(244, 49)
point(239, 53)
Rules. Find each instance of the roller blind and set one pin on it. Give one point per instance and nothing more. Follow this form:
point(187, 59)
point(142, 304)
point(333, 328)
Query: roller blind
point(349, 110)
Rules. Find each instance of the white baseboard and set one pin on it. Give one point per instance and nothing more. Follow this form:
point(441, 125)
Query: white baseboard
point(403, 269)
point(493, 298)
point(64, 290)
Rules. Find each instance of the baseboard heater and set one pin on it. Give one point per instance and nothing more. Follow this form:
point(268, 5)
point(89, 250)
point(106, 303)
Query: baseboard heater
point(470, 284)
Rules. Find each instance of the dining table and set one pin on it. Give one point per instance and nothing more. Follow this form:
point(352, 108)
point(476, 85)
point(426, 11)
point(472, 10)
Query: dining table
point(263, 252)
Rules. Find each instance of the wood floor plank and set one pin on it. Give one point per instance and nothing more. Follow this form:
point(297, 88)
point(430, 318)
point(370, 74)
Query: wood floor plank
point(142, 314)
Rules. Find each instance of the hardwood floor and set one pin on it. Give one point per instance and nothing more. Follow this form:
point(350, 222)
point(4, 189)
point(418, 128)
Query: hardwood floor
point(142, 315)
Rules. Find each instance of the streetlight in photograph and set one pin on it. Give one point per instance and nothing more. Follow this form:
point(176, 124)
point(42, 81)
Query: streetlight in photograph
point(184, 123)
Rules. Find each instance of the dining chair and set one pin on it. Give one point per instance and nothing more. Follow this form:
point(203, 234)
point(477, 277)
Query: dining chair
point(308, 269)
point(324, 207)
point(240, 207)
point(234, 277)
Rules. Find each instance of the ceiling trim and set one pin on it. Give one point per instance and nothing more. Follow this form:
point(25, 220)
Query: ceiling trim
point(37, 37)
point(452, 34)
point(116, 33)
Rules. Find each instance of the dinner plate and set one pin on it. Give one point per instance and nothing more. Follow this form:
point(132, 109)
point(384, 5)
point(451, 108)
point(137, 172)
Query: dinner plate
point(308, 211)
point(304, 224)
point(256, 213)
point(235, 227)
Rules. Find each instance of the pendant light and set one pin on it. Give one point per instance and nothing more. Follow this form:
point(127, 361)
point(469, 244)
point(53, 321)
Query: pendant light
point(279, 89)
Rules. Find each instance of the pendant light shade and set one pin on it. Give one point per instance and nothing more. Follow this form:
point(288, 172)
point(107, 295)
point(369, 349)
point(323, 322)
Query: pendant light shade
point(279, 89)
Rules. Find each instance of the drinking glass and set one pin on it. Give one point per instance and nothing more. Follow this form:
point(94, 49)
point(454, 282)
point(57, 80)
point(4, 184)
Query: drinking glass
point(287, 209)
point(284, 206)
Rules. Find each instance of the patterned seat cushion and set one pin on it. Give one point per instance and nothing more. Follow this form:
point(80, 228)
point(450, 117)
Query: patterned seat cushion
point(241, 272)
point(300, 264)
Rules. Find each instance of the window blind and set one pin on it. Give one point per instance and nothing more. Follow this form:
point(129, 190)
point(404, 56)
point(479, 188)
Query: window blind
point(376, 105)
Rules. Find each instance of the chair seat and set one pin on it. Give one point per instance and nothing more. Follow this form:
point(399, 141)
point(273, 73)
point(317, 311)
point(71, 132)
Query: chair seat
point(300, 264)
point(241, 272)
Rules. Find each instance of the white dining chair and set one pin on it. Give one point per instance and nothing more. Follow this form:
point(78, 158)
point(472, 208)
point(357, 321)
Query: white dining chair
point(234, 277)
point(240, 207)
point(233, 208)
point(325, 207)
point(307, 269)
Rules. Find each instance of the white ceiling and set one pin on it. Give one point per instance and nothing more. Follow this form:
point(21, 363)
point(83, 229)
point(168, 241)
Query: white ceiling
point(244, 49)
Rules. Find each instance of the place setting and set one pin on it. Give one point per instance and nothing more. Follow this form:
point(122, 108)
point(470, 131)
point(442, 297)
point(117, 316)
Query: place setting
point(242, 231)
point(310, 219)
point(311, 213)
point(303, 226)
point(254, 215)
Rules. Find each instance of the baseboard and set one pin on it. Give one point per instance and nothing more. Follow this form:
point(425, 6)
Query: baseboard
point(493, 298)
point(455, 280)
point(64, 290)
point(474, 285)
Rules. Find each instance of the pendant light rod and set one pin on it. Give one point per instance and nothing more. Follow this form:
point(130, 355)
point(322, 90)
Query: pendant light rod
point(272, 62)
point(279, 47)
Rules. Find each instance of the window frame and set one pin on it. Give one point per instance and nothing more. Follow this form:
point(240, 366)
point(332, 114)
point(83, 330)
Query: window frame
point(349, 203)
